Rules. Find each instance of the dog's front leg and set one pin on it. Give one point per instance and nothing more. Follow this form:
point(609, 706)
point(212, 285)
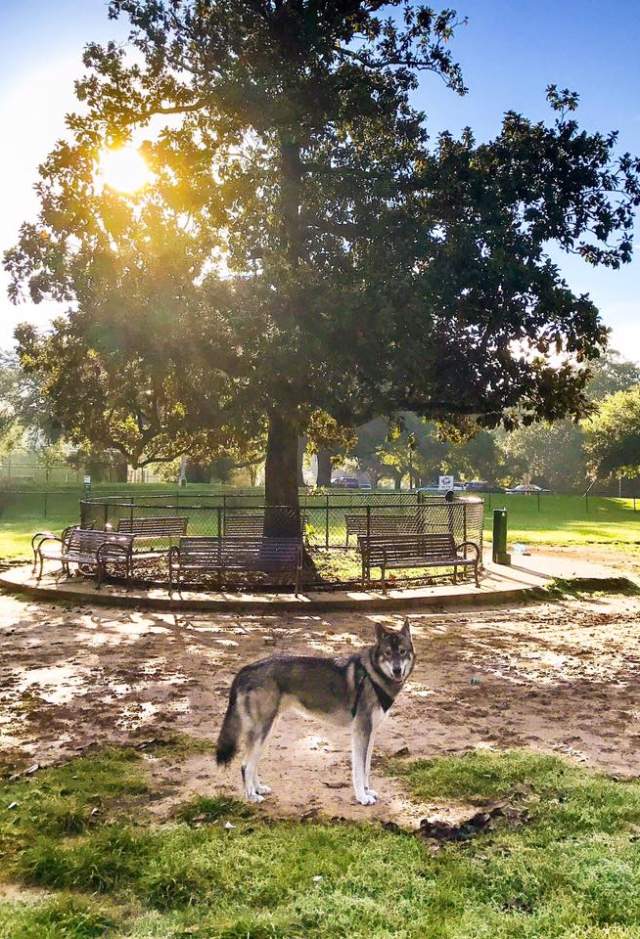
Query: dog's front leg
point(360, 741)
point(367, 766)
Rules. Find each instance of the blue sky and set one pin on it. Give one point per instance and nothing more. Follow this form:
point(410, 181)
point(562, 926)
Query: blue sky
point(509, 51)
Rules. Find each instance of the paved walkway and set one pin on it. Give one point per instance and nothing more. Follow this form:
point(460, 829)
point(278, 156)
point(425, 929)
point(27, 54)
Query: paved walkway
point(523, 580)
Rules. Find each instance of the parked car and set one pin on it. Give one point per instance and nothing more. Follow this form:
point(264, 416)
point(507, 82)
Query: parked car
point(346, 482)
point(435, 490)
point(526, 489)
point(481, 485)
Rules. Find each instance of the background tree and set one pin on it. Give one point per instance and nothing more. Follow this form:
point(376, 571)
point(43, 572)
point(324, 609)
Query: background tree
point(609, 374)
point(549, 455)
point(329, 442)
point(613, 435)
point(480, 457)
point(383, 450)
point(304, 248)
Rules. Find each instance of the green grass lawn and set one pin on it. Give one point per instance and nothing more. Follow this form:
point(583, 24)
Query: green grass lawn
point(81, 834)
point(567, 520)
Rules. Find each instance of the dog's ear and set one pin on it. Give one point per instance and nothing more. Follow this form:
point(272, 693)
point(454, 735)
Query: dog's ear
point(381, 632)
point(406, 628)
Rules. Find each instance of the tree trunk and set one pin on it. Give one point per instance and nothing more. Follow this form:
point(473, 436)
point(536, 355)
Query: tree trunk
point(302, 446)
point(323, 476)
point(198, 472)
point(282, 517)
point(282, 505)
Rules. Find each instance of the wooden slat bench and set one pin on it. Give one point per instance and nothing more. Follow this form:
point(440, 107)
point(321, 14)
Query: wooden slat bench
point(228, 553)
point(86, 548)
point(379, 525)
point(153, 528)
point(416, 551)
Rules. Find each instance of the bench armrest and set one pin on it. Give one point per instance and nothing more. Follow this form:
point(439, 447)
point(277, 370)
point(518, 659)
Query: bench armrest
point(469, 544)
point(42, 536)
point(107, 548)
point(47, 537)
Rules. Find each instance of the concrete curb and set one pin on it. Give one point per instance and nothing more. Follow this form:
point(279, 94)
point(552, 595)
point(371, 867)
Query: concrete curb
point(308, 603)
point(17, 580)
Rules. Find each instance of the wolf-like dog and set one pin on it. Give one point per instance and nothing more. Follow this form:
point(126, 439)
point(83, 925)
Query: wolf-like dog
point(355, 691)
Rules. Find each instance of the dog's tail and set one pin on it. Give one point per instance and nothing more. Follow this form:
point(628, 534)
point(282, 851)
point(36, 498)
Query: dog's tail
point(227, 746)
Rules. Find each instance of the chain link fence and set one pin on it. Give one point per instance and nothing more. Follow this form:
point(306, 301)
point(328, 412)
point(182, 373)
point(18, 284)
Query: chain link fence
point(331, 521)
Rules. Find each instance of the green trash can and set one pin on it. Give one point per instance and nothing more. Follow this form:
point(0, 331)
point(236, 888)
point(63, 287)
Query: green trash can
point(500, 555)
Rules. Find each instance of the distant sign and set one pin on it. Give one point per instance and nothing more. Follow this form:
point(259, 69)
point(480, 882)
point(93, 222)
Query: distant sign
point(445, 482)
point(87, 480)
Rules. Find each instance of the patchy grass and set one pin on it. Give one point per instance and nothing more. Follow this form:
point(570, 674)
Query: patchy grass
point(62, 917)
point(176, 746)
point(208, 809)
point(579, 587)
point(219, 869)
point(64, 801)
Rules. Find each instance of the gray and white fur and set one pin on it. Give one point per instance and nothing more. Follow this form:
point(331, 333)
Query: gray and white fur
point(354, 691)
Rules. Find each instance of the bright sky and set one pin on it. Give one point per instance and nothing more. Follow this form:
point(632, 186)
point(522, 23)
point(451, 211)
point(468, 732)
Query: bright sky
point(509, 52)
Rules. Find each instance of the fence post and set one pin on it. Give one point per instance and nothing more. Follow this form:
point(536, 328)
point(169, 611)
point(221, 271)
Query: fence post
point(224, 514)
point(106, 515)
point(368, 523)
point(46, 499)
point(538, 494)
point(326, 527)
point(464, 528)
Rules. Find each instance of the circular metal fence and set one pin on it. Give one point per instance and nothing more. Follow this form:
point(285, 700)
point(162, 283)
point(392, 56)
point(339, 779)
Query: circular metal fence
point(331, 526)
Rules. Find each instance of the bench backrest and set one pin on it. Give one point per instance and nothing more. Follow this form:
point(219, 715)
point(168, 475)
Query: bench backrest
point(380, 524)
point(87, 541)
point(257, 553)
point(244, 524)
point(155, 526)
point(430, 546)
point(251, 525)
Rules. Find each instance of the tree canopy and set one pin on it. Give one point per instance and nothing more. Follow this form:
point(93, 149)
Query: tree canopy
point(613, 435)
point(305, 247)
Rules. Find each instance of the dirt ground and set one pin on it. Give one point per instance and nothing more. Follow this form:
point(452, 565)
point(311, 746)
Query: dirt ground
point(559, 677)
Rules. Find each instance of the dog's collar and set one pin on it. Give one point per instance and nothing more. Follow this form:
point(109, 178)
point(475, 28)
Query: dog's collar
point(360, 674)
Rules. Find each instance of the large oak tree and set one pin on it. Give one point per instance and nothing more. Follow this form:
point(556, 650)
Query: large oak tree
point(307, 248)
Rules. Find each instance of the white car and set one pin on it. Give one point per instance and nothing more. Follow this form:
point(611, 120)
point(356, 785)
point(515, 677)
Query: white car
point(526, 489)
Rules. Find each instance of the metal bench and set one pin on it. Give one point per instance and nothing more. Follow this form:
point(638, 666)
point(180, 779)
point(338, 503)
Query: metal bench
point(229, 553)
point(84, 547)
point(153, 528)
point(416, 551)
point(379, 525)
